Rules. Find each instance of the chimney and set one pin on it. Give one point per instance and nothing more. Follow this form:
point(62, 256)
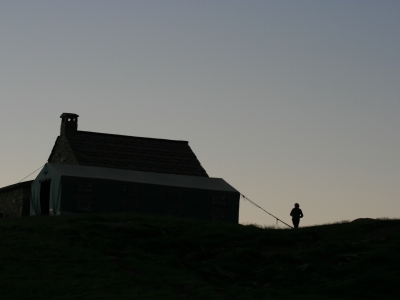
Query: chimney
point(69, 123)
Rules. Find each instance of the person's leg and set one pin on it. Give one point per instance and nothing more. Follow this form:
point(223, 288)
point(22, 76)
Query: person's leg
point(296, 223)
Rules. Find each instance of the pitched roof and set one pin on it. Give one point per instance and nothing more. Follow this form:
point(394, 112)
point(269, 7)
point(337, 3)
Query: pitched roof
point(134, 153)
point(16, 185)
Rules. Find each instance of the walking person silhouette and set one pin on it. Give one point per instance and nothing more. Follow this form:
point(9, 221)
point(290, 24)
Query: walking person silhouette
point(296, 214)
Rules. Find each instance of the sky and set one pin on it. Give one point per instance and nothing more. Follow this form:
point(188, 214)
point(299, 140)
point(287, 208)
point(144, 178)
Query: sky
point(287, 101)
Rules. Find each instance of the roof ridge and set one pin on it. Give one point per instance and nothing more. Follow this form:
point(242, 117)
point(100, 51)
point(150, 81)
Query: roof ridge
point(127, 136)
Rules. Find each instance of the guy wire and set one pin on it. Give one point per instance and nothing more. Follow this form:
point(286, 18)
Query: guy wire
point(255, 204)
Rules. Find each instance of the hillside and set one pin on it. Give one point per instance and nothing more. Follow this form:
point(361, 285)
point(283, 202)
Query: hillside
point(130, 256)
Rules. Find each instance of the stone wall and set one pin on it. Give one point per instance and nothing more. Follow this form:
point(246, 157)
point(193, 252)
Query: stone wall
point(62, 152)
point(15, 199)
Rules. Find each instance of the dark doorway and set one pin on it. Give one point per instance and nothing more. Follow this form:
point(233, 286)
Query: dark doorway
point(45, 197)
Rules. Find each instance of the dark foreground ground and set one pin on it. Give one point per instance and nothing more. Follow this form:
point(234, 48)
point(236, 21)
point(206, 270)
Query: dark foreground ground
point(128, 256)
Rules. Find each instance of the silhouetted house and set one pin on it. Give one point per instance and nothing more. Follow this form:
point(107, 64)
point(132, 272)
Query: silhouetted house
point(14, 199)
point(122, 152)
point(97, 172)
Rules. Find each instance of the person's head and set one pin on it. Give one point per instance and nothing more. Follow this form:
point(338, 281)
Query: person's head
point(296, 205)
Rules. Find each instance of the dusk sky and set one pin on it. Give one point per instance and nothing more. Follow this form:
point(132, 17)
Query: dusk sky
point(288, 101)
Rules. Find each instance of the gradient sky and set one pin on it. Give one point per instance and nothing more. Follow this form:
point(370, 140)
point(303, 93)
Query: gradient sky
point(288, 101)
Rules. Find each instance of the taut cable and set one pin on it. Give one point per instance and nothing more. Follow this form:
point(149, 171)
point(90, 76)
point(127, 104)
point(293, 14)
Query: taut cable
point(255, 204)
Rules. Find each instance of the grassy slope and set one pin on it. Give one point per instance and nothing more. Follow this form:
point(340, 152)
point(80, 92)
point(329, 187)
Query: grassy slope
point(129, 256)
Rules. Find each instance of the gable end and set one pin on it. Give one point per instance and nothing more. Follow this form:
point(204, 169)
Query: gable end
point(62, 152)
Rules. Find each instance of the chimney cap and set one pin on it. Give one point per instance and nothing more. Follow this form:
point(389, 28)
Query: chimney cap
point(69, 115)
